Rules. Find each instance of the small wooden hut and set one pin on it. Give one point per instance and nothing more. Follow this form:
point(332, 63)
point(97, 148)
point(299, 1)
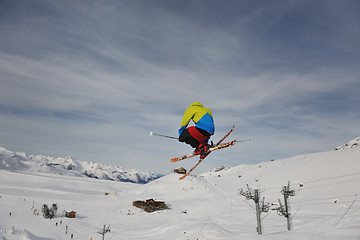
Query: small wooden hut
point(180, 170)
point(71, 214)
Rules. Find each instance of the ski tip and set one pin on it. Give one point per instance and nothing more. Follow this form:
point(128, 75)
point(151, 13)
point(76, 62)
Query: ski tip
point(181, 178)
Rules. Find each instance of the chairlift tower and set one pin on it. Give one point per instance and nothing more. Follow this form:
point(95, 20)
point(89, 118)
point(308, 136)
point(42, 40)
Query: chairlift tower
point(104, 231)
point(285, 210)
point(255, 195)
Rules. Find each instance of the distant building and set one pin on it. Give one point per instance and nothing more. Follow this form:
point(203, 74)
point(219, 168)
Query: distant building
point(150, 205)
point(71, 214)
point(180, 170)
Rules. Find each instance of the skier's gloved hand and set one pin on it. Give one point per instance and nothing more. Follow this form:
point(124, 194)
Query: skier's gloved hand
point(181, 135)
point(181, 130)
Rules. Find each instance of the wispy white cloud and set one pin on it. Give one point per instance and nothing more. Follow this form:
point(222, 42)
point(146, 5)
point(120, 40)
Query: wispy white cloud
point(91, 78)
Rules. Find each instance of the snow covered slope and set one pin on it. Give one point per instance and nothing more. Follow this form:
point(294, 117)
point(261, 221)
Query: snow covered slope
point(326, 204)
point(69, 166)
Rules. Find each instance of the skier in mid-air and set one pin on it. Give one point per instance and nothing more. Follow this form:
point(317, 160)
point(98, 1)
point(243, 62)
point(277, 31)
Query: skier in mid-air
point(197, 136)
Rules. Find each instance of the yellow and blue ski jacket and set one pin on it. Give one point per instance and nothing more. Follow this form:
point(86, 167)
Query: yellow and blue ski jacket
point(201, 116)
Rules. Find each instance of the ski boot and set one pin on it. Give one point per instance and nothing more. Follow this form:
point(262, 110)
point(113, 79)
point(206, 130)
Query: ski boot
point(202, 149)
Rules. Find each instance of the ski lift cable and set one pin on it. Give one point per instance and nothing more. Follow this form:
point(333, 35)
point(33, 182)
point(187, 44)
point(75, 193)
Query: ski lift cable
point(319, 180)
point(346, 211)
point(325, 198)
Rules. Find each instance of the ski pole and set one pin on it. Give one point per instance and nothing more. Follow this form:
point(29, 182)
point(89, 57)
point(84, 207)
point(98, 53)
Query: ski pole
point(160, 135)
point(245, 140)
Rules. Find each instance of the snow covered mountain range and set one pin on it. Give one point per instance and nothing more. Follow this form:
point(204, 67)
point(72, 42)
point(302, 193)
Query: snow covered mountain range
point(21, 162)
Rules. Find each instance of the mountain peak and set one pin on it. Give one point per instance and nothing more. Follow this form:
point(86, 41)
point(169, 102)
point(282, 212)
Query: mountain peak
point(351, 144)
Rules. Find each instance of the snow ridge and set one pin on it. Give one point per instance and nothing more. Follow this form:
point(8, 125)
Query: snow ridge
point(20, 162)
point(351, 144)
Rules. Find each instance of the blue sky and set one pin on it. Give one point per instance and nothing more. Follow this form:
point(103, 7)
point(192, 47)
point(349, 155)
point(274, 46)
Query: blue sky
point(90, 79)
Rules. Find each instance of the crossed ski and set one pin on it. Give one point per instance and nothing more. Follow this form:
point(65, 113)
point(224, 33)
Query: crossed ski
point(217, 146)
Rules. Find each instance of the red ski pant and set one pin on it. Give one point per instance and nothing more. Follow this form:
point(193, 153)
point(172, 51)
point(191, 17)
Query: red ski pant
point(193, 136)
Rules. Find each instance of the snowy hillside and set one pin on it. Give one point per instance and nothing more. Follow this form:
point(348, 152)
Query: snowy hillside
point(325, 204)
point(20, 162)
